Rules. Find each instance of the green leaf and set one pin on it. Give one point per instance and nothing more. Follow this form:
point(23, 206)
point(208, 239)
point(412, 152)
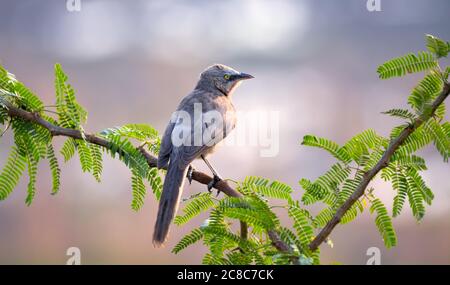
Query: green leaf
point(350, 215)
point(333, 177)
point(358, 147)
point(138, 191)
point(409, 63)
point(210, 259)
point(328, 145)
point(412, 161)
point(155, 181)
point(68, 149)
point(427, 89)
point(427, 194)
point(30, 139)
point(416, 140)
point(289, 237)
point(372, 159)
point(275, 189)
point(128, 154)
point(28, 100)
point(440, 112)
point(71, 114)
point(188, 240)
point(97, 161)
point(348, 188)
point(301, 224)
point(440, 138)
point(400, 185)
point(54, 169)
point(60, 85)
point(32, 173)
point(228, 239)
point(400, 113)
point(324, 217)
point(194, 208)
point(437, 46)
point(446, 129)
point(313, 192)
point(140, 132)
point(84, 152)
point(415, 198)
point(250, 210)
point(7, 80)
point(11, 173)
point(446, 73)
point(216, 234)
point(384, 223)
point(247, 186)
point(238, 258)
point(4, 118)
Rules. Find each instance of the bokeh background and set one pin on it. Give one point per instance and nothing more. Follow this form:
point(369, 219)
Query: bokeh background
point(132, 61)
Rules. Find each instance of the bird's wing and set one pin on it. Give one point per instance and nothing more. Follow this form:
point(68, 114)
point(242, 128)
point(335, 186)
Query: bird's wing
point(166, 146)
point(193, 145)
point(211, 134)
point(198, 134)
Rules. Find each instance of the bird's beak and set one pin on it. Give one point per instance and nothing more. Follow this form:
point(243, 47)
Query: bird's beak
point(244, 76)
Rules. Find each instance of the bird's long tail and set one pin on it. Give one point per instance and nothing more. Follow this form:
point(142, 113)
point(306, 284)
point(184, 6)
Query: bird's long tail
point(169, 202)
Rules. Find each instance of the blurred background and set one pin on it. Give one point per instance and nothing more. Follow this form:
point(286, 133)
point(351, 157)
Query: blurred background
point(132, 61)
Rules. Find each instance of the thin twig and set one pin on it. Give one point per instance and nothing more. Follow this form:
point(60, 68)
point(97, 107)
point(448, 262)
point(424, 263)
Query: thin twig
point(50, 111)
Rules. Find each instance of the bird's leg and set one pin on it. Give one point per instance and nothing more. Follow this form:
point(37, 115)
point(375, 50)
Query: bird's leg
point(216, 177)
point(213, 183)
point(213, 170)
point(189, 173)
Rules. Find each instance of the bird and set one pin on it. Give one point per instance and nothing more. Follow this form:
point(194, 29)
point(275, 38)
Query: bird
point(205, 117)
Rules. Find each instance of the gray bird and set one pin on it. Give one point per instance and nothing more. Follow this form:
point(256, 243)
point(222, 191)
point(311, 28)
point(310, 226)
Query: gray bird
point(203, 118)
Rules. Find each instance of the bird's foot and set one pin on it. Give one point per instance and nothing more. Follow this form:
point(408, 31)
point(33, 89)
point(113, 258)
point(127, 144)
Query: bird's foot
point(189, 173)
point(213, 183)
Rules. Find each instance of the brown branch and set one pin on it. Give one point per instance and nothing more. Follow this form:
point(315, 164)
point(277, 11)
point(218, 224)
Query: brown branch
point(198, 176)
point(382, 163)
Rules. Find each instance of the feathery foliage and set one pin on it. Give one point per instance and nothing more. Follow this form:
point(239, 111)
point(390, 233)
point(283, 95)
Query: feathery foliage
point(188, 240)
point(384, 223)
point(196, 206)
point(437, 46)
point(265, 188)
point(97, 161)
point(401, 113)
point(11, 173)
point(33, 142)
point(54, 167)
point(68, 149)
point(427, 89)
point(302, 224)
point(362, 152)
point(409, 63)
point(139, 192)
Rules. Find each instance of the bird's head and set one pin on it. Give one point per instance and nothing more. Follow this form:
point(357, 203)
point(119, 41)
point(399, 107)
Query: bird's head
point(223, 78)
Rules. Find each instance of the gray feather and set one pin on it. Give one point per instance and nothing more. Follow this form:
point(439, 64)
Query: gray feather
point(170, 200)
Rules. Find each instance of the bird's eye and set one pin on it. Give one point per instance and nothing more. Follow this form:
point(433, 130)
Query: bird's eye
point(226, 76)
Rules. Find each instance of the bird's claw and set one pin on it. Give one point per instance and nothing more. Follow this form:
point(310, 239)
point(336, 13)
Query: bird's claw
point(189, 174)
point(213, 183)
